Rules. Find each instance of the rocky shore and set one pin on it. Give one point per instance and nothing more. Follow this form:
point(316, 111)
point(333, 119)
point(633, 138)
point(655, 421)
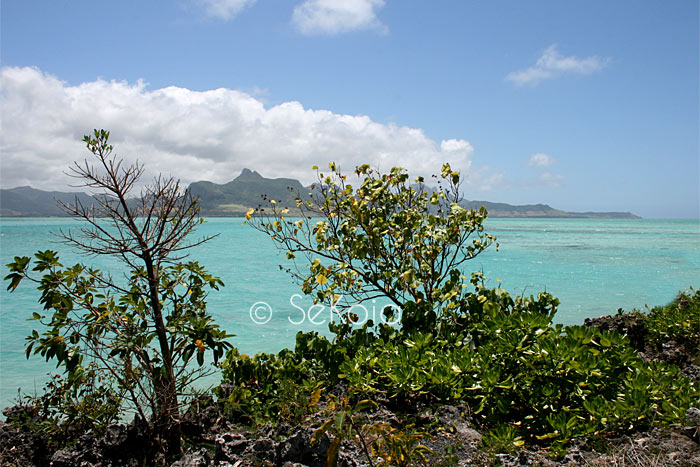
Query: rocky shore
point(213, 440)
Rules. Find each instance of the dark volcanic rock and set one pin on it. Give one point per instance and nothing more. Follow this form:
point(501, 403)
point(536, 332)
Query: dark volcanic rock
point(628, 324)
point(198, 458)
point(681, 354)
point(298, 448)
point(295, 449)
point(202, 419)
point(230, 446)
point(127, 444)
point(19, 448)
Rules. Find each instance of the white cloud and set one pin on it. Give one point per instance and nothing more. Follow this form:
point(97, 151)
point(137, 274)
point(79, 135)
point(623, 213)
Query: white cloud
point(549, 179)
point(337, 16)
point(540, 159)
point(456, 146)
point(224, 9)
point(552, 64)
point(485, 179)
point(210, 135)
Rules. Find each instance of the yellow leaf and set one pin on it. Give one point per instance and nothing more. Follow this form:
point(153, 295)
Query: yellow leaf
point(315, 397)
point(321, 279)
point(333, 452)
point(248, 214)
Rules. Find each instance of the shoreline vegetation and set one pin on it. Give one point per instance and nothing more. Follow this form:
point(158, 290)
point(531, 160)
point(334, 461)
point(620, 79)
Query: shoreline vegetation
point(457, 373)
point(278, 426)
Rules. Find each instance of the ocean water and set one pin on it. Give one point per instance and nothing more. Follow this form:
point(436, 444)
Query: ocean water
point(593, 266)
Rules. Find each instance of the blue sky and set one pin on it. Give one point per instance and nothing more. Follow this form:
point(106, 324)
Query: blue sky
point(580, 105)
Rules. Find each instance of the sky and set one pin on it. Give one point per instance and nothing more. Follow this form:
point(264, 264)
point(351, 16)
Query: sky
point(585, 106)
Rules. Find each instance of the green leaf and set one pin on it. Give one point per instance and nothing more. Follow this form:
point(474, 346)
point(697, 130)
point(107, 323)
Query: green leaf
point(16, 279)
point(320, 431)
point(365, 405)
point(340, 420)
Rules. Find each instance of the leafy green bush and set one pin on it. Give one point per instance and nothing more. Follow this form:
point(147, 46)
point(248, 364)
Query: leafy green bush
point(678, 321)
point(64, 411)
point(268, 387)
point(390, 237)
point(550, 383)
point(527, 379)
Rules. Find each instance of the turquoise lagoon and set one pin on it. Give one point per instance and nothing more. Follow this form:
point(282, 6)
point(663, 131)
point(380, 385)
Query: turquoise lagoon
point(593, 266)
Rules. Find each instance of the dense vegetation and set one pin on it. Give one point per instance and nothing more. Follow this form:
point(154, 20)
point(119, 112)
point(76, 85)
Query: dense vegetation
point(446, 338)
point(526, 380)
point(125, 343)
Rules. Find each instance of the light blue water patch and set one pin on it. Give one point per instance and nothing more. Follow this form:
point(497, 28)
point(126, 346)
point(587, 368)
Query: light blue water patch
point(593, 266)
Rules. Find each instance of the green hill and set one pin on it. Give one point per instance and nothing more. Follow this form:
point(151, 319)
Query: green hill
point(541, 210)
point(246, 191)
point(26, 201)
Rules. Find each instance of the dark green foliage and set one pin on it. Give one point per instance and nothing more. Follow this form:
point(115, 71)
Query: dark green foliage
point(268, 387)
point(527, 380)
point(91, 322)
point(678, 321)
point(65, 411)
point(548, 382)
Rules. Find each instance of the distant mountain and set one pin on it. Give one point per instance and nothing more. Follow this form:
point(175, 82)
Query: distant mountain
point(245, 191)
point(237, 196)
point(26, 201)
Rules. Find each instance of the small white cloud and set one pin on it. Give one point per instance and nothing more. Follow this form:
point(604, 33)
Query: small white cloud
point(200, 135)
point(552, 64)
point(550, 179)
point(540, 159)
point(333, 17)
point(481, 180)
point(224, 9)
point(456, 146)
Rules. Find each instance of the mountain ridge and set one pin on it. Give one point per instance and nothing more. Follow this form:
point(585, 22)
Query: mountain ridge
point(234, 198)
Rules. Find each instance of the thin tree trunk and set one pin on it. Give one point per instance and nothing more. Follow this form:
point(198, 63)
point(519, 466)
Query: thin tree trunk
point(168, 415)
